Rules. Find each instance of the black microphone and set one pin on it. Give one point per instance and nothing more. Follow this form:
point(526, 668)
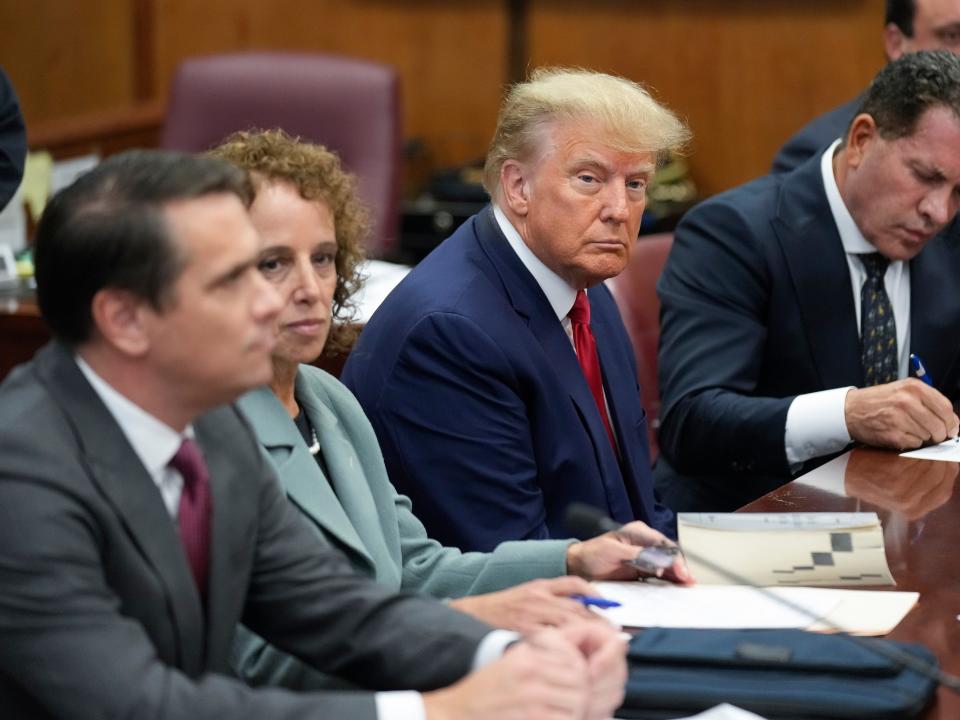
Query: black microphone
point(585, 522)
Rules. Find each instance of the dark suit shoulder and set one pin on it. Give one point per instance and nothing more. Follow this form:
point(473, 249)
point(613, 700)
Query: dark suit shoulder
point(33, 428)
point(814, 136)
point(443, 280)
point(735, 218)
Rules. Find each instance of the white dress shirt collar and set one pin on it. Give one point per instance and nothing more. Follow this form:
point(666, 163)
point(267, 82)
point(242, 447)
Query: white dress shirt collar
point(854, 243)
point(154, 442)
point(559, 293)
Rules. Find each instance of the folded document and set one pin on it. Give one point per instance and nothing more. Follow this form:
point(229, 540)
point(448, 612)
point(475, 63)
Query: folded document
point(784, 549)
point(860, 612)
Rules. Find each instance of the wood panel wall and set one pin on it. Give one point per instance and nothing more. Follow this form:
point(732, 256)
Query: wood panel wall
point(745, 73)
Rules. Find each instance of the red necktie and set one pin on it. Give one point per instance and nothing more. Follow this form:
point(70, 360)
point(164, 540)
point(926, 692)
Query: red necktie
point(193, 516)
point(586, 348)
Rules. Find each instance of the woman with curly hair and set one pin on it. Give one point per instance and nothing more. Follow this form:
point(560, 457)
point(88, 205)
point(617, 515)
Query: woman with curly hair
point(326, 453)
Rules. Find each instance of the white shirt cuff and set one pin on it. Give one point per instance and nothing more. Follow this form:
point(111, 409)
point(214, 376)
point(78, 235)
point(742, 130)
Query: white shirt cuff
point(493, 646)
point(400, 705)
point(816, 425)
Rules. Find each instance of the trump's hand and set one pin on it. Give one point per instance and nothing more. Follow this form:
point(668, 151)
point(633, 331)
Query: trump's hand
point(605, 557)
point(901, 415)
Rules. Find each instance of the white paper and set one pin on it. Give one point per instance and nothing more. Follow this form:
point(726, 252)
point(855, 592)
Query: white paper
point(865, 612)
point(947, 451)
point(723, 712)
point(381, 279)
point(858, 612)
point(710, 606)
point(726, 712)
point(13, 223)
point(65, 172)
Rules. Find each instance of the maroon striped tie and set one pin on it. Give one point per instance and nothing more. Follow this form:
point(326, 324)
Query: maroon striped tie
point(193, 516)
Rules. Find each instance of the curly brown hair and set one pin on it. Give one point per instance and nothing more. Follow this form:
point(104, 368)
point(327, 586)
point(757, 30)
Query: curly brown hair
point(316, 172)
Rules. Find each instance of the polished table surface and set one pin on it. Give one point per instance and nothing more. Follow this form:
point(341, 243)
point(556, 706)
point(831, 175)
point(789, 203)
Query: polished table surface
point(919, 507)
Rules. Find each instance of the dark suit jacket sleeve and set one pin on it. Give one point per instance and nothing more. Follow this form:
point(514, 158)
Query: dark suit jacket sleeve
point(456, 437)
point(13, 141)
point(814, 137)
point(66, 642)
point(714, 296)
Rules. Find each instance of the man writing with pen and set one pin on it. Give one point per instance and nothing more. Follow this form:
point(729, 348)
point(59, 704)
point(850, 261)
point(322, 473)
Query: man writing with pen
point(791, 305)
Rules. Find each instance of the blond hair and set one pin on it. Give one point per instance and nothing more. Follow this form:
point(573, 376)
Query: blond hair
point(271, 155)
point(632, 120)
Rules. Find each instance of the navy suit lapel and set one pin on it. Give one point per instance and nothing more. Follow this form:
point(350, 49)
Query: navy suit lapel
point(529, 301)
point(818, 267)
point(128, 487)
point(620, 383)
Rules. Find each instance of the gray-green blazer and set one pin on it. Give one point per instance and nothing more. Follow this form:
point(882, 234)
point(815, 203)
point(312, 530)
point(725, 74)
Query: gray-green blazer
point(358, 511)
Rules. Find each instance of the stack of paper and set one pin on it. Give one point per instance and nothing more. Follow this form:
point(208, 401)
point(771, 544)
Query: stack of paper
point(785, 549)
point(859, 612)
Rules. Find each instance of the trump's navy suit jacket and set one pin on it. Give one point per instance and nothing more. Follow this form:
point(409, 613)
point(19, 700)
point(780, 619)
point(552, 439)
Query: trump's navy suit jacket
point(757, 308)
point(481, 409)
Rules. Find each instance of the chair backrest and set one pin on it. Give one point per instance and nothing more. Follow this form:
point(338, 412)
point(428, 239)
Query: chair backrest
point(350, 106)
point(635, 290)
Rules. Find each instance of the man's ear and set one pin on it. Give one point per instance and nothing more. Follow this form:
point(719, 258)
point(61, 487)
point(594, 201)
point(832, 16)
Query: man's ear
point(515, 187)
point(862, 132)
point(118, 318)
point(895, 43)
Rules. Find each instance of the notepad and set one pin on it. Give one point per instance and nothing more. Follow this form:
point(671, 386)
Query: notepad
point(784, 549)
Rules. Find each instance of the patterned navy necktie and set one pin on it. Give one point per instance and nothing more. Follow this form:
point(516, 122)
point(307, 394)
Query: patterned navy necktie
point(878, 329)
point(193, 515)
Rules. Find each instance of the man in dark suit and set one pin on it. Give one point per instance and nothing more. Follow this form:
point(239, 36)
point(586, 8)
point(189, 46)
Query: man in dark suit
point(498, 375)
point(140, 524)
point(790, 305)
point(909, 26)
point(13, 141)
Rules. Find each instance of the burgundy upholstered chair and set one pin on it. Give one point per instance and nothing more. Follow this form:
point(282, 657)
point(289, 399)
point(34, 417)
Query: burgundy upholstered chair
point(351, 106)
point(635, 290)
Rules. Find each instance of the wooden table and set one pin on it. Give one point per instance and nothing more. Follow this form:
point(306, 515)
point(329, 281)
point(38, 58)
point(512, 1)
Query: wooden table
point(919, 507)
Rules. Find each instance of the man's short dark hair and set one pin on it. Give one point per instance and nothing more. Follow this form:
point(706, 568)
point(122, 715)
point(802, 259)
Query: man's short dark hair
point(107, 229)
point(909, 86)
point(900, 13)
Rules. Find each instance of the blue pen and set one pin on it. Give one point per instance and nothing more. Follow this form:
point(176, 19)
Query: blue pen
point(916, 365)
point(597, 602)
